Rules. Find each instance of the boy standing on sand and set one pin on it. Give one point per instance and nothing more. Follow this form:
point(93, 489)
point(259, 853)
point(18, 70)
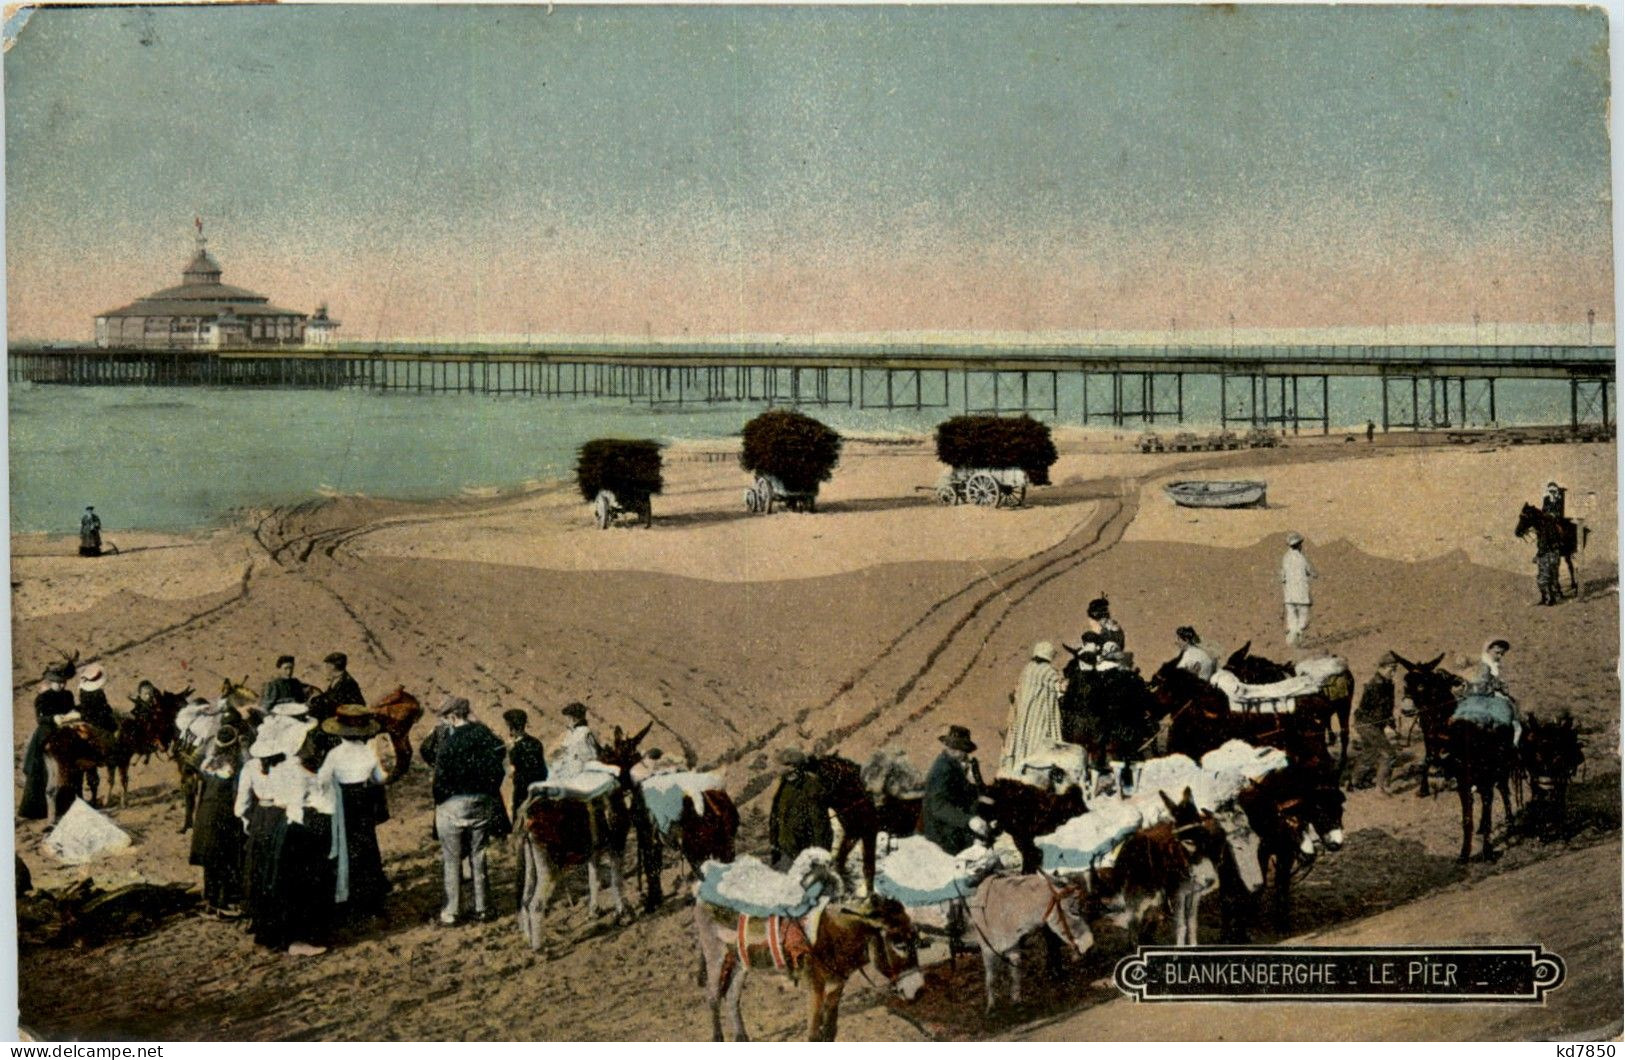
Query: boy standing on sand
point(1296, 570)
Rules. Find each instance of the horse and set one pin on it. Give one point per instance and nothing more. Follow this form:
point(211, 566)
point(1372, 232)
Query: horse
point(1549, 755)
point(397, 712)
point(844, 940)
point(1202, 721)
point(1553, 533)
point(697, 836)
point(1161, 868)
point(1288, 811)
point(1433, 691)
point(1110, 713)
point(555, 834)
point(1256, 669)
point(1025, 812)
point(847, 796)
point(1006, 909)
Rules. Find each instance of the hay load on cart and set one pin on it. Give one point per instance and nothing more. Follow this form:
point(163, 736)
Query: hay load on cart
point(790, 454)
point(993, 459)
point(619, 477)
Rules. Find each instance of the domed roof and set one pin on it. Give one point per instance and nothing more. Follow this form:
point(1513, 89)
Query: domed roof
point(203, 268)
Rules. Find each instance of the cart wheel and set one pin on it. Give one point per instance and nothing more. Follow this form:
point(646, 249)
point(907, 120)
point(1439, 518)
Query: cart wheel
point(764, 496)
point(1018, 496)
point(810, 505)
point(750, 502)
point(646, 510)
point(982, 490)
point(946, 495)
point(601, 513)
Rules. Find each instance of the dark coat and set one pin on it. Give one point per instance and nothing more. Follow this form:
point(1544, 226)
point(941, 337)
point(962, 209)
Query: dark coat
point(284, 690)
point(94, 708)
point(467, 760)
point(800, 816)
point(47, 705)
point(1376, 701)
point(529, 767)
point(341, 692)
point(950, 803)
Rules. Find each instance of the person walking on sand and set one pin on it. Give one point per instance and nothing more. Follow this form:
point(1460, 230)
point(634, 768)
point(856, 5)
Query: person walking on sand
point(1035, 711)
point(90, 533)
point(467, 761)
point(1370, 432)
point(1296, 573)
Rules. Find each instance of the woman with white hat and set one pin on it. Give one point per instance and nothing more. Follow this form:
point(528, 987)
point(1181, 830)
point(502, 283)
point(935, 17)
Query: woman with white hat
point(217, 835)
point(303, 887)
point(93, 705)
point(264, 794)
point(359, 807)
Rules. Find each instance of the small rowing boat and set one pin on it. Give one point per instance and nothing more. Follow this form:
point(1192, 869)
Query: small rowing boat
point(1215, 494)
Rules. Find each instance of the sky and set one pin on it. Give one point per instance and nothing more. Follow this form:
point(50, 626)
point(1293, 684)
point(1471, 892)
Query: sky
point(713, 171)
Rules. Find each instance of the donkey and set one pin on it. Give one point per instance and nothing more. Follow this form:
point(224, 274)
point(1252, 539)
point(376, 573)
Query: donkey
point(146, 731)
point(1025, 812)
point(1256, 669)
point(1433, 691)
point(1168, 866)
point(1290, 811)
point(1203, 721)
point(555, 834)
point(1006, 909)
point(842, 942)
point(1482, 757)
point(697, 836)
point(1550, 754)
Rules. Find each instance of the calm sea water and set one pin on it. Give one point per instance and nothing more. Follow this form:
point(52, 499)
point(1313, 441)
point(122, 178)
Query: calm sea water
point(173, 458)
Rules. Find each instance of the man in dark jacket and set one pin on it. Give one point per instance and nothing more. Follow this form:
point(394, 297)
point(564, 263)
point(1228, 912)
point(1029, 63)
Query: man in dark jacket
point(1374, 715)
point(467, 758)
point(52, 702)
point(949, 814)
point(341, 688)
point(800, 815)
point(524, 755)
point(286, 688)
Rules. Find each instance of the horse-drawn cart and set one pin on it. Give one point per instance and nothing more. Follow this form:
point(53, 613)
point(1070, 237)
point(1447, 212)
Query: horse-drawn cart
point(608, 506)
point(770, 490)
point(985, 487)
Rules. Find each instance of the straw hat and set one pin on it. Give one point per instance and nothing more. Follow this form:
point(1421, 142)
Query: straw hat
point(351, 721)
point(92, 679)
point(291, 710)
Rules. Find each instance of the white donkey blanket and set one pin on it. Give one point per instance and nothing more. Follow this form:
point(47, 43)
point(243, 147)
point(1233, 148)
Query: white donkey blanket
point(663, 794)
point(1280, 697)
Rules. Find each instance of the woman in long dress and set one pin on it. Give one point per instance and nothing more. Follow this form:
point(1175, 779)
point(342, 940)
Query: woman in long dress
point(359, 807)
point(263, 797)
point(217, 834)
point(304, 877)
point(1035, 711)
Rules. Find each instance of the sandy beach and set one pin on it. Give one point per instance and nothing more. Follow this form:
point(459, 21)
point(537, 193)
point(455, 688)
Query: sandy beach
point(877, 621)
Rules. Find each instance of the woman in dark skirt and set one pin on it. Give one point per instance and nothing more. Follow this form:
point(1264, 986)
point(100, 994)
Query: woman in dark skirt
point(304, 879)
point(359, 808)
point(262, 800)
point(217, 834)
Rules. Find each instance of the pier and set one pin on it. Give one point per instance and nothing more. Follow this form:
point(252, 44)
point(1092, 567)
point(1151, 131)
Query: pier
point(1283, 388)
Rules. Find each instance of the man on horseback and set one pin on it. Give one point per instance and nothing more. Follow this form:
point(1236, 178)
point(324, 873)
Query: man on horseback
point(1553, 503)
point(52, 702)
point(952, 796)
point(1035, 711)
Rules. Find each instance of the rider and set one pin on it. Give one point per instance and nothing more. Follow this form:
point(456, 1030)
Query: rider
point(53, 701)
point(341, 691)
point(144, 704)
point(93, 705)
point(577, 746)
point(948, 815)
point(284, 687)
point(1102, 628)
point(1194, 657)
point(1552, 503)
point(1487, 682)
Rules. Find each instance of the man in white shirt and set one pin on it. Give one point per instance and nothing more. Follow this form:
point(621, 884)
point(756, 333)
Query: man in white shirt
point(1296, 571)
point(1193, 655)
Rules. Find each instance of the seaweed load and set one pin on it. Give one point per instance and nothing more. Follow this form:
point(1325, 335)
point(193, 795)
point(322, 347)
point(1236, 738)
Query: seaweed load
point(792, 447)
point(627, 468)
point(997, 442)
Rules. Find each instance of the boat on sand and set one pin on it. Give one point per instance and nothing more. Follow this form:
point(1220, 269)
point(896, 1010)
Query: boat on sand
point(1215, 494)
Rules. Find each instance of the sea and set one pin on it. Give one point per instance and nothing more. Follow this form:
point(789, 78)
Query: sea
point(172, 459)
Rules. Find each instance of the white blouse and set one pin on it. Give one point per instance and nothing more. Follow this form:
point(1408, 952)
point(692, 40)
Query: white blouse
point(281, 787)
point(352, 762)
